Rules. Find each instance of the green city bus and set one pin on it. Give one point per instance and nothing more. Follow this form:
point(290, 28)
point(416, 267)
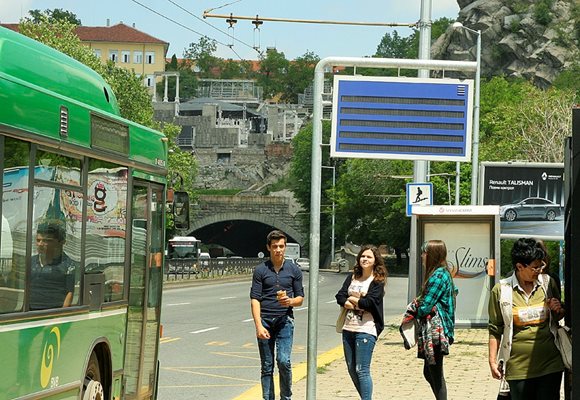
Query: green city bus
point(81, 246)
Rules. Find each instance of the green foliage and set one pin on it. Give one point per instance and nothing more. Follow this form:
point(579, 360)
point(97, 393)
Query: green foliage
point(188, 82)
point(273, 70)
point(542, 12)
point(515, 25)
point(570, 80)
point(371, 202)
point(300, 75)
point(56, 15)
point(300, 168)
point(394, 46)
point(202, 53)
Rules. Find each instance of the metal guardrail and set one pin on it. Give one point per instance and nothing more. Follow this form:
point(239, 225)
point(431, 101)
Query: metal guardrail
point(191, 268)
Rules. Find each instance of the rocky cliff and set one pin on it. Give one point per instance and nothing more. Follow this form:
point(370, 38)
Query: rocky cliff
point(533, 39)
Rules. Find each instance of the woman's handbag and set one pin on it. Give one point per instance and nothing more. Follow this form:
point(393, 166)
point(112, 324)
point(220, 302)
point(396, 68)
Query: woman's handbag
point(340, 320)
point(504, 390)
point(564, 344)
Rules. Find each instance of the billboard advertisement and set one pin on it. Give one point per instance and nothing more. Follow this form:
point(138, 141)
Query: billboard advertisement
point(530, 196)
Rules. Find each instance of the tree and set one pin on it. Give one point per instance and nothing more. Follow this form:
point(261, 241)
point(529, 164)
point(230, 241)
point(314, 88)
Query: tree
point(300, 75)
point(56, 15)
point(371, 202)
point(273, 70)
point(393, 46)
point(202, 53)
point(301, 178)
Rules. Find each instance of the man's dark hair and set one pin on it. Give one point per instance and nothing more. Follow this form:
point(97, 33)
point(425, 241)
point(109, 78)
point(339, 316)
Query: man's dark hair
point(525, 251)
point(275, 235)
point(55, 229)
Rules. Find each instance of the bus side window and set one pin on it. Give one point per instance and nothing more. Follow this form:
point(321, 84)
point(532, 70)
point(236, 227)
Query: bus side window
point(181, 210)
point(14, 197)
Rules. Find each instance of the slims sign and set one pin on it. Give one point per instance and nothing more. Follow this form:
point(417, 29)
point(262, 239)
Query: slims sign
point(465, 264)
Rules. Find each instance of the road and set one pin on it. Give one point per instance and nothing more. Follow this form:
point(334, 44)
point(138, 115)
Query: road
point(208, 349)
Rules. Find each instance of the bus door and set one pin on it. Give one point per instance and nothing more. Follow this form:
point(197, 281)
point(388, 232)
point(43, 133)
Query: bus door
point(147, 208)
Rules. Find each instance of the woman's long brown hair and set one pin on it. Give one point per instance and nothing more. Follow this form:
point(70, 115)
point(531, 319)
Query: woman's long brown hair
point(379, 269)
point(436, 257)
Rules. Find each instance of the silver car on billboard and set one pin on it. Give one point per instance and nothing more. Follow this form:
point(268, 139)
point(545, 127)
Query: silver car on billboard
point(530, 208)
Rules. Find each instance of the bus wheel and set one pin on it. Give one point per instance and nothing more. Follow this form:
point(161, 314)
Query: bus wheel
point(93, 389)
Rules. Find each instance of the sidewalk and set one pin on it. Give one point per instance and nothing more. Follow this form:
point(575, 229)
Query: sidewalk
point(398, 373)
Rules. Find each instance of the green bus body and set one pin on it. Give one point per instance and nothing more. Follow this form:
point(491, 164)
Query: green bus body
point(57, 109)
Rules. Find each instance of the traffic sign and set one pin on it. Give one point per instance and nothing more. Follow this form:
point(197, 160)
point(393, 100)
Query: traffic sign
point(402, 118)
point(419, 194)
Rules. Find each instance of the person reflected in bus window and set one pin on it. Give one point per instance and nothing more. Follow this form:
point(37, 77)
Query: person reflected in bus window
point(53, 272)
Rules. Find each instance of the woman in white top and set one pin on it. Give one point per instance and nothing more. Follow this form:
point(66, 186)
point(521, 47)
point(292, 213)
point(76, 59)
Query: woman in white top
point(362, 296)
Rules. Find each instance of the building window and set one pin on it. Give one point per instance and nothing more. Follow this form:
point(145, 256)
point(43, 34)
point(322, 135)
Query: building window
point(150, 57)
point(97, 53)
point(150, 81)
point(114, 55)
point(126, 56)
point(138, 57)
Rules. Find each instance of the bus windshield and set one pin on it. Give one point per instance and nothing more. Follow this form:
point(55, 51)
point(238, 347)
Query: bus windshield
point(183, 248)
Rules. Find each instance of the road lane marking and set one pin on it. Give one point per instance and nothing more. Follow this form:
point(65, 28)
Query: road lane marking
point(301, 308)
point(331, 301)
point(211, 375)
point(227, 298)
point(206, 330)
point(215, 343)
point(248, 320)
point(168, 339)
point(177, 304)
point(298, 373)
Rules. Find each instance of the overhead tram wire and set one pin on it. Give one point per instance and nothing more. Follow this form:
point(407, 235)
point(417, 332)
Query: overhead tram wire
point(225, 5)
point(180, 24)
point(214, 27)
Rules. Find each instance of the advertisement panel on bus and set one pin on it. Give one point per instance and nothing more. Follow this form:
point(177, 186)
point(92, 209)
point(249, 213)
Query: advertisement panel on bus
point(530, 196)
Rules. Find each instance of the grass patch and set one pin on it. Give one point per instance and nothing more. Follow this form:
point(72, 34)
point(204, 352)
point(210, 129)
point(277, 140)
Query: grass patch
point(322, 369)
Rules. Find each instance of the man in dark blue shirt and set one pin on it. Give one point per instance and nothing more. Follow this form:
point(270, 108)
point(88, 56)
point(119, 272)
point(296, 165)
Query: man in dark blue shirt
point(276, 289)
point(53, 272)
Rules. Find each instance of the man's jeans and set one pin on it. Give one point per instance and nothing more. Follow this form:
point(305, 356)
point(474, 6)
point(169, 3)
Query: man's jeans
point(358, 352)
point(281, 335)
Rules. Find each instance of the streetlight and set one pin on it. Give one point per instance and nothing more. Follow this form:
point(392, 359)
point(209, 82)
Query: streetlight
point(333, 212)
point(475, 153)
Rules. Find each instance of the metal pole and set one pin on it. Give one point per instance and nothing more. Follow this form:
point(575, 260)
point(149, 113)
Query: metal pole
point(315, 189)
point(333, 215)
point(457, 181)
point(420, 169)
point(475, 155)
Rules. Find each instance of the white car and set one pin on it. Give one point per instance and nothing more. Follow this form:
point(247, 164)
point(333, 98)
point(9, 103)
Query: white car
point(303, 263)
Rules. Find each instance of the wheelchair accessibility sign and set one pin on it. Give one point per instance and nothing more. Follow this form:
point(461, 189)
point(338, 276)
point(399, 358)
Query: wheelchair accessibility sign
point(419, 194)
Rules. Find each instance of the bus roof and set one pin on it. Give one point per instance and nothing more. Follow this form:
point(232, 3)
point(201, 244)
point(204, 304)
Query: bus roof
point(79, 82)
point(69, 103)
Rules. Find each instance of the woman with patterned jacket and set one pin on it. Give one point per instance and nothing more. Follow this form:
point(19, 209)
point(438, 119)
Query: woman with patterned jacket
point(437, 298)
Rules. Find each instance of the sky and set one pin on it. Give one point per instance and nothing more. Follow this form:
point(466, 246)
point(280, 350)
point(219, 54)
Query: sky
point(181, 22)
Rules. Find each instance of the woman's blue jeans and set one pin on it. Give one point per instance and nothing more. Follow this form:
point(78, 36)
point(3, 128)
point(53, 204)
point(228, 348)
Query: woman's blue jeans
point(281, 336)
point(358, 352)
